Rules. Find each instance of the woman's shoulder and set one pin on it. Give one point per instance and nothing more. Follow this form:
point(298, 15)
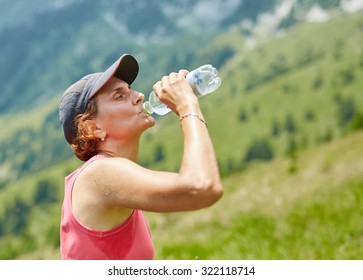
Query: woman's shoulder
point(100, 166)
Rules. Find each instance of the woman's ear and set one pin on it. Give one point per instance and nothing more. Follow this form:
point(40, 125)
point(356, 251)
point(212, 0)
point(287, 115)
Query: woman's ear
point(100, 133)
point(103, 135)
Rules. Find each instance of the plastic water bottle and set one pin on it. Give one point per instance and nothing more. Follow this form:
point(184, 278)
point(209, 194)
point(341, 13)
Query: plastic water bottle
point(203, 80)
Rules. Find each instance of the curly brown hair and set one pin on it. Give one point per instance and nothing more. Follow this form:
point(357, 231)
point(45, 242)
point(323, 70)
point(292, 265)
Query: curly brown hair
point(85, 143)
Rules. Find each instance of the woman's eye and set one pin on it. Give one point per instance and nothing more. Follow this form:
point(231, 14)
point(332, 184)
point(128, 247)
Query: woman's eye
point(120, 96)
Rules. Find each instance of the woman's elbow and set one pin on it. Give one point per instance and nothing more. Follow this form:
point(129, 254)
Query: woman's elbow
point(216, 193)
point(210, 191)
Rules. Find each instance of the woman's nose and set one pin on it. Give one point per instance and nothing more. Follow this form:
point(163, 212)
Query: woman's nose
point(139, 97)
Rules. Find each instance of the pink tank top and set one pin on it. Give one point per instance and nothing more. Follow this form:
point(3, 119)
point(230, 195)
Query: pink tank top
point(129, 241)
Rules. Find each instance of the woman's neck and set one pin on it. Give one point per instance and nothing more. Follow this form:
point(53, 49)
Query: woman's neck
point(124, 149)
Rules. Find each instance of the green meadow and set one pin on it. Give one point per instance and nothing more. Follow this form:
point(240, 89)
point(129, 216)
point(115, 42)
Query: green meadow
point(268, 213)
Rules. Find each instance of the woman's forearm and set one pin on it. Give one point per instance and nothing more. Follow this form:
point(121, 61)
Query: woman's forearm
point(199, 163)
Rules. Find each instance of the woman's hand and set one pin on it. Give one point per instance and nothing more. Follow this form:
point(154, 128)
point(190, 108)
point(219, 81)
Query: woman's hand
point(176, 93)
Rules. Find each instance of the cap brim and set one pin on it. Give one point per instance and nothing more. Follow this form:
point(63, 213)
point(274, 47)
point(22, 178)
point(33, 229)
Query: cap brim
point(125, 68)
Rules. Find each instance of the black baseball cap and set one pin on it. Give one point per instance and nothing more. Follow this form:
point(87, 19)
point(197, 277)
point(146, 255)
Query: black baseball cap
point(75, 98)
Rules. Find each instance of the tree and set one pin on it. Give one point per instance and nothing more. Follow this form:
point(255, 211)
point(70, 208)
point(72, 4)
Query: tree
point(16, 217)
point(346, 110)
point(242, 115)
point(357, 121)
point(291, 152)
point(159, 153)
point(309, 115)
point(259, 150)
point(290, 124)
point(347, 75)
point(275, 131)
point(318, 81)
point(45, 192)
point(2, 227)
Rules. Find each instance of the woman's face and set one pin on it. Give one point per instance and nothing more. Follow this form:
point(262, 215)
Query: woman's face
point(120, 113)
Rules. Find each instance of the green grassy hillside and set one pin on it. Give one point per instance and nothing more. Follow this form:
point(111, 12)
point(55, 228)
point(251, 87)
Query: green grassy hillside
point(269, 213)
point(265, 213)
point(287, 127)
point(297, 90)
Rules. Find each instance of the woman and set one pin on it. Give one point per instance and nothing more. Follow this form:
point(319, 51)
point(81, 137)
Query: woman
point(102, 118)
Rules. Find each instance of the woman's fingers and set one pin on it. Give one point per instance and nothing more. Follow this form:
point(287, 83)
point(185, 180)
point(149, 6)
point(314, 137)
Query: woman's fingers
point(183, 73)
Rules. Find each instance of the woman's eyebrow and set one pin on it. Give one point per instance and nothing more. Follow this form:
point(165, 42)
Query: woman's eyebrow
point(119, 88)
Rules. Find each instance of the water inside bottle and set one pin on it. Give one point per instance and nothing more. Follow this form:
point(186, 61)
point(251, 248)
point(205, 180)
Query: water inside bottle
point(154, 105)
point(204, 80)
